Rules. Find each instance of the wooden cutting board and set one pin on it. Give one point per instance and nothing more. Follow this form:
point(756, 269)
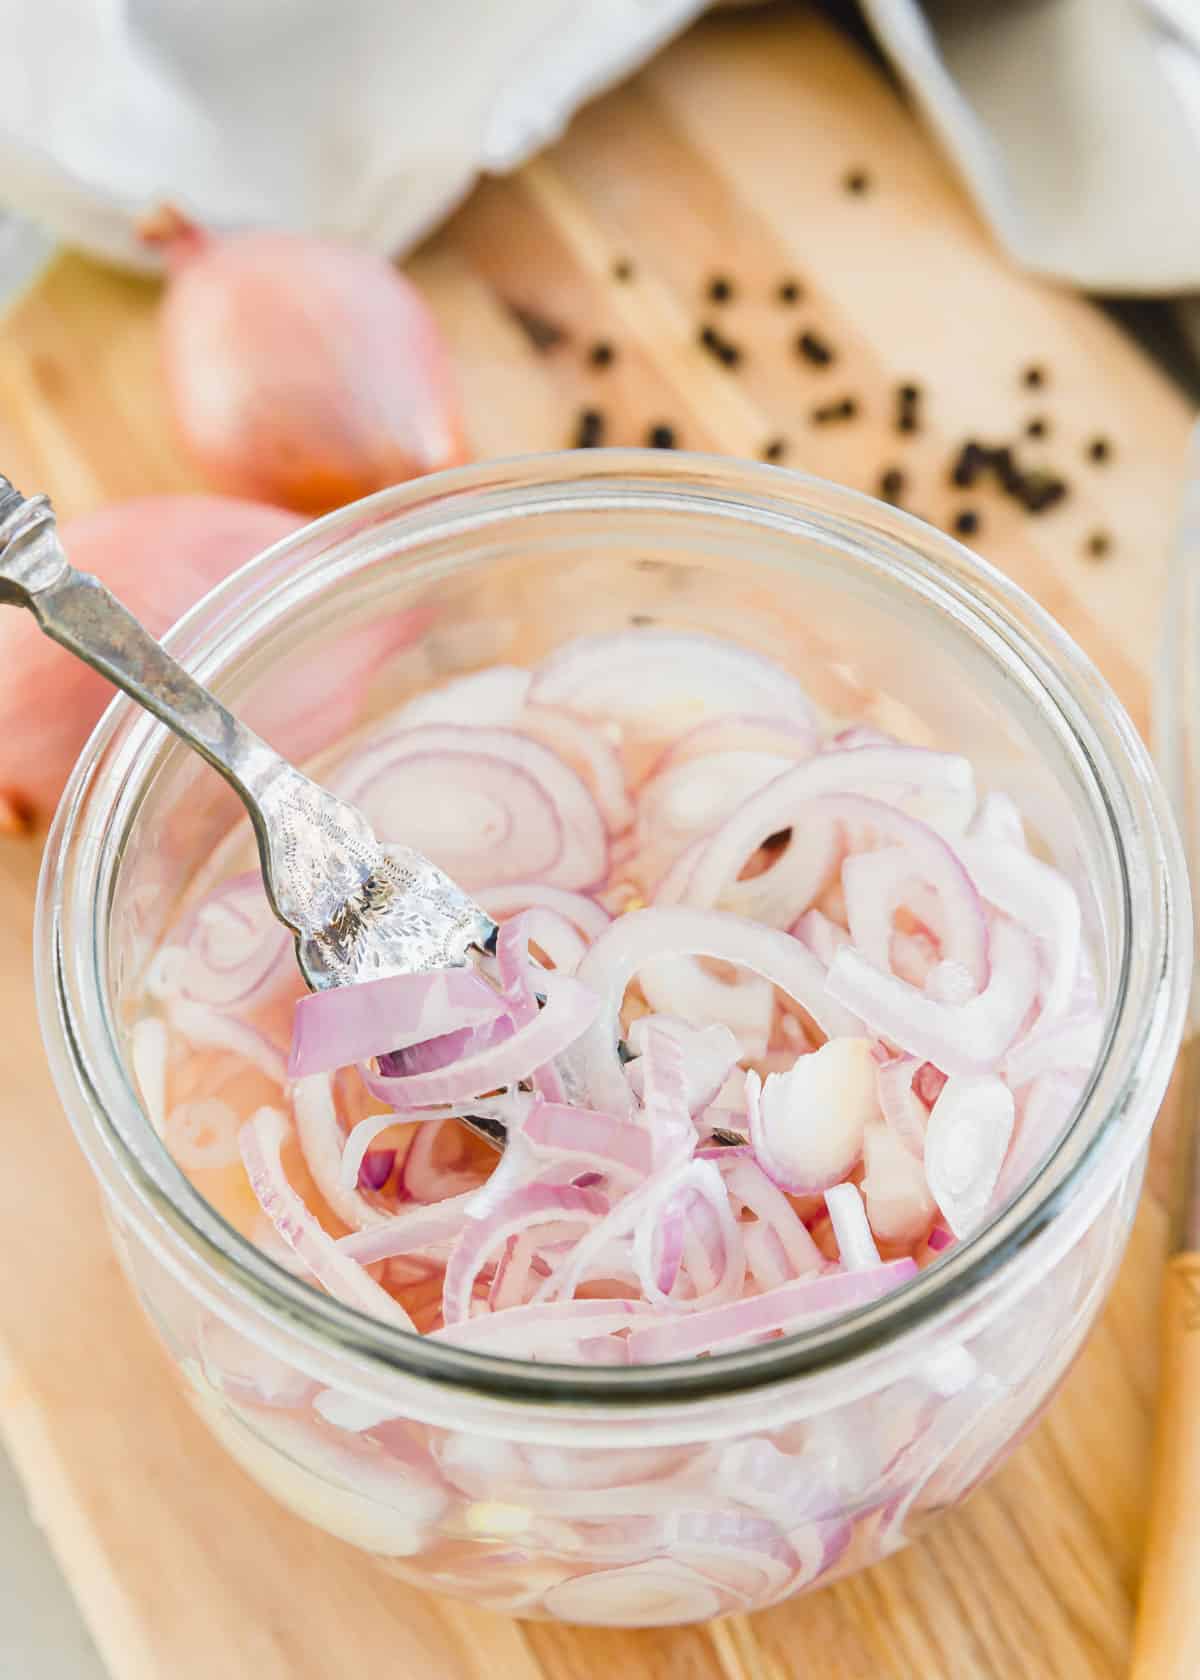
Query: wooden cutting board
point(728, 156)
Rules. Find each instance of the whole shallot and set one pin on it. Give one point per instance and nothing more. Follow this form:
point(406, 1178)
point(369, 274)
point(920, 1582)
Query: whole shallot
point(301, 371)
point(160, 554)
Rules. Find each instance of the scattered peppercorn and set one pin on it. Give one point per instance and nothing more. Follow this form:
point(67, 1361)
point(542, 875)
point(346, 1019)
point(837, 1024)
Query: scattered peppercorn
point(661, 437)
point(1034, 377)
point(846, 409)
point(602, 354)
point(589, 431)
point(775, 449)
point(966, 523)
point(971, 458)
point(908, 399)
point(891, 484)
point(1098, 544)
point(1037, 428)
point(719, 346)
point(1004, 464)
point(814, 349)
point(1099, 449)
point(622, 269)
point(1039, 491)
point(857, 181)
point(541, 332)
point(789, 291)
point(720, 290)
point(1036, 490)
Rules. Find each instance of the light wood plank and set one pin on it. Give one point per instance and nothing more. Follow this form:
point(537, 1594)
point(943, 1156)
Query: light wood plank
point(726, 155)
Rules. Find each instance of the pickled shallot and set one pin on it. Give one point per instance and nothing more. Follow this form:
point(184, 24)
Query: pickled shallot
point(779, 1013)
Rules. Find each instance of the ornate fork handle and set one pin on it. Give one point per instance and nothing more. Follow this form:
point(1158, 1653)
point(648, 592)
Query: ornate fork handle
point(79, 612)
point(356, 908)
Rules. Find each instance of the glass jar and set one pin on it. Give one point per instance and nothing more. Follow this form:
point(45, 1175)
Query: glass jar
point(632, 1495)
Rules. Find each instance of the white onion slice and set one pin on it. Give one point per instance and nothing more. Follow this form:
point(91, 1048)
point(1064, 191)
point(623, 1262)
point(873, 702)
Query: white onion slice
point(261, 1142)
point(1046, 1106)
point(494, 696)
point(871, 772)
point(903, 1110)
point(483, 803)
point(586, 750)
point(792, 1307)
point(534, 1205)
point(582, 912)
point(806, 1125)
point(1041, 900)
point(851, 1228)
point(899, 1204)
point(965, 1145)
point(963, 1039)
point(685, 802)
point(570, 1009)
point(635, 939)
point(749, 1185)
point(347, 1024)
point(322, 1145)
point(1071, 1045)
point(661, 681)
point(679, 986)
point(710, 1054)
point(233, 952)
point(656, 1593)
point(780, 737)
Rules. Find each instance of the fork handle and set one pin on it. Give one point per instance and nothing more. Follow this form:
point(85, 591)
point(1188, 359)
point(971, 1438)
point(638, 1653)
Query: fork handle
point(307, 883)
point(78, 611)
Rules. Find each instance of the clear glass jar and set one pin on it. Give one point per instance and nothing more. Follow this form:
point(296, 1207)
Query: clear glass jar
point(653, 1494)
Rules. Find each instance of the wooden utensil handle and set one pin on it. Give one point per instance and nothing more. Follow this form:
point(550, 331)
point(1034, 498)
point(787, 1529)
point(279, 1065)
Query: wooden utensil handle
point(1167, 1638)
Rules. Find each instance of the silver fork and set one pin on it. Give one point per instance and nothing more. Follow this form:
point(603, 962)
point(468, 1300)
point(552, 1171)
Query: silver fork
point(357, 911)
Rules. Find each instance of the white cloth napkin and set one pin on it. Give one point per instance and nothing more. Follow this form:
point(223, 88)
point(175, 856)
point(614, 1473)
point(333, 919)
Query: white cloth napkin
point(1075, 123)
point(364, 118)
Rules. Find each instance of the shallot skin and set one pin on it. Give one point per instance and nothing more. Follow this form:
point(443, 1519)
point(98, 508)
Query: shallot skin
point(302, 371)
point(159, 555)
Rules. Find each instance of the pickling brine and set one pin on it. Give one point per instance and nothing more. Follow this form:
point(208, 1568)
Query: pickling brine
point(780, 1012)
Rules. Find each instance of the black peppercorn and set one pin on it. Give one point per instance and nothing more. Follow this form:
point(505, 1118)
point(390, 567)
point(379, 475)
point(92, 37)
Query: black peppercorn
point(1098, 544)
point(891, 484)
point(846, 409)
point(774, 449)
point(966, 523)
point(661, 437)
point(725, 351)
point(971, 458)
point(541, 332)
point(601, 354)
point(1037, 428)
point(1099, 449)
point(814, 349)
point(720, 290)
point(1038, 492)
point(856, 181)
point(1034, 377)
point(789, 291)
point(622, 269)
point(589, 431)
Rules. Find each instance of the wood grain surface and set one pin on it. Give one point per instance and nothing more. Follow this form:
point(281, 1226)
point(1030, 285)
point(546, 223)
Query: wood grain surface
point(728, 155)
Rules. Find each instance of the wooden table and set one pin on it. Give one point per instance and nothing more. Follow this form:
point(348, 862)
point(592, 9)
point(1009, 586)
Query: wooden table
point(728, 155)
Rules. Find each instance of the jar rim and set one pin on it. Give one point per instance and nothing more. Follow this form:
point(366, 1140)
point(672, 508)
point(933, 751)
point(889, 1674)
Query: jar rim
point(102, 800)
